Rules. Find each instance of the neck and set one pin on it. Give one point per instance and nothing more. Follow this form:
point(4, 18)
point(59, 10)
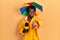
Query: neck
point(31, 17)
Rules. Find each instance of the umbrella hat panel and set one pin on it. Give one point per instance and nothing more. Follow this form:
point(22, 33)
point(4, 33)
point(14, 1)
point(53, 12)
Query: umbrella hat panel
point(23, 9)
point(37, 6)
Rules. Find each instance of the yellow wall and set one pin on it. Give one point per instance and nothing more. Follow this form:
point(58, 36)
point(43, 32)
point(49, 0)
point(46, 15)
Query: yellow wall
point(10, 17)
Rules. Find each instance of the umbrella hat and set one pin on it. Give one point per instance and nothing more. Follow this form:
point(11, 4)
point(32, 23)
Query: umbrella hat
point(26, 5)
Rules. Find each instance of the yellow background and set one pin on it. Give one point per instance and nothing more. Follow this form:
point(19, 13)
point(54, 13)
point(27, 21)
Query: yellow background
point(10, 17)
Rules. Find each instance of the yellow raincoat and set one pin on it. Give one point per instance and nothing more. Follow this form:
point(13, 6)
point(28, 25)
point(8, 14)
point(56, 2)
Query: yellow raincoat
point(32, 34)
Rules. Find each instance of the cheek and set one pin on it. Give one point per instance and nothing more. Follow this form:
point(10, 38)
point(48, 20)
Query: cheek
point(31, 13)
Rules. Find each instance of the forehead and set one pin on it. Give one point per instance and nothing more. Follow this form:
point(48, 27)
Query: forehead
point(30, 9)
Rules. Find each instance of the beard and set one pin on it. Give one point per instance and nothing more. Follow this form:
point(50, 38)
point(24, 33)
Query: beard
point(31, 16)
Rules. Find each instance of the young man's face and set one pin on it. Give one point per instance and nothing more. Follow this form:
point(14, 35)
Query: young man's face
point(31, 12)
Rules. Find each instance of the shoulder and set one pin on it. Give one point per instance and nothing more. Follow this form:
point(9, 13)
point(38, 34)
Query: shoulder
point(23, 20)
point(37, 18)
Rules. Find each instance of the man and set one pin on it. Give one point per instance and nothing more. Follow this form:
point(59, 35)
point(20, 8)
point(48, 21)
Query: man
point(28, 26)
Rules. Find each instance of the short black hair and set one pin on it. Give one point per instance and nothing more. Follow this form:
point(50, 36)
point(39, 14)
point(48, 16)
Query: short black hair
point(32, 7)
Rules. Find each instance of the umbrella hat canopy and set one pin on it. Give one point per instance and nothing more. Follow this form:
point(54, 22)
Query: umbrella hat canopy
point(26, 5)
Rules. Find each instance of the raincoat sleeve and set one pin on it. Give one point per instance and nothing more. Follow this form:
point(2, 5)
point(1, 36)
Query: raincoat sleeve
point(20, 28)
point(40, 22)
